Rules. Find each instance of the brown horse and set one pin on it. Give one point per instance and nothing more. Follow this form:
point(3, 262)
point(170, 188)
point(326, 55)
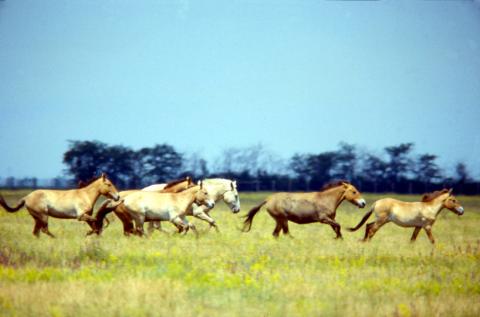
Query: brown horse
point(410, 214)
point(144, 206)
point(120, 211)
point(65, 204)
point(305, 208)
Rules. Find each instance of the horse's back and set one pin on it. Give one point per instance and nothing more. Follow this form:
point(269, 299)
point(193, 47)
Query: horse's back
point(285, 202)
point(401, 212)
point(139, 199)
point(154, 187)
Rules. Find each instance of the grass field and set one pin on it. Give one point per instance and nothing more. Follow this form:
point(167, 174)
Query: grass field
point(242, 274)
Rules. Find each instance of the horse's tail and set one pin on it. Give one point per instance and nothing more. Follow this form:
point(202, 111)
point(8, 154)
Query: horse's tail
point(364, 219)
point(247, 224)
point(3, 203)
point(102, 212)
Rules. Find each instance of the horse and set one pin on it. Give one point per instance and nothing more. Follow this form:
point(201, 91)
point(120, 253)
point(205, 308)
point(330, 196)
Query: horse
point(217, 189)
point(410, 214)
point(172, 186)
point(65, 204)
point(303, 208)
point(120, 211)
point(144, 206)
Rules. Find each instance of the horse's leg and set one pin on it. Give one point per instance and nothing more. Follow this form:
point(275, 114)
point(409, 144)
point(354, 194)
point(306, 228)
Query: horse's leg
point(373, 227)
point(139, 221)
point(45, 228)
point(428, 230)
point(278, 228)
point(201, 214)
point(37, 227)
point(180, 224)
point(86, 217)
point(415, 234)
point(285, 228)
point(126, 221)
point(367, 230)
point(335, 226)
point(190, 225)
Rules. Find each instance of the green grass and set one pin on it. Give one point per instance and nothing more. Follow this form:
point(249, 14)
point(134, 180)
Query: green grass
point(239, 274)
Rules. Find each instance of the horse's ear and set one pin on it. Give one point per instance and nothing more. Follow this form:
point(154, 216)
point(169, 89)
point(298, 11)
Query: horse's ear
point(201, 184)
point(344, 184)
point(104, 176)
point(231, 185)
point(189, 180)
point(450, 191)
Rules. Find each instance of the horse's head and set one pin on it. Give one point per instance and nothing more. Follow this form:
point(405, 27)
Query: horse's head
point(353, 195)
point(202, 197)
point(452, 204)
point(231, 198)
point(106, 188)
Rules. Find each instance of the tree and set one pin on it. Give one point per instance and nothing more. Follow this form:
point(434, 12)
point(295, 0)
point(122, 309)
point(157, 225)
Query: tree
point(345, 164)
point(299, 165)
point(85, 159)
point(461, 173)
point(159, 164)
point(399, 162)
point(373, 170)
point(320, 167)
point(426, 169)
point(196, 167)
point(119, 165)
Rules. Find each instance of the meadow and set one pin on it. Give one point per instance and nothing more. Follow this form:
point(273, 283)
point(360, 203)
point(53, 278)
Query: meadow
point(238, 274)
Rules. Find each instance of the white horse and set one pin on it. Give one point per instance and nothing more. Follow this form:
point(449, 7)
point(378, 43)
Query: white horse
point(217, 189)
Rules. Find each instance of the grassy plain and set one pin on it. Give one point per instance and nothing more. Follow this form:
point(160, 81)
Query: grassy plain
point(241, 274)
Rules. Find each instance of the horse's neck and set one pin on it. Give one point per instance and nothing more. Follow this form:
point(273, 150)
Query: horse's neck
point(216, 191)
point(188, 197)
point(433, 208)
point(332, 198)
point(92, 193)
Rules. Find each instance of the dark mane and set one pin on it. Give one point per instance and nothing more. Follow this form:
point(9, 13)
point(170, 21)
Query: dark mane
point(82, 184)
point(431, 196)
point(177, 181)
point(333, 184)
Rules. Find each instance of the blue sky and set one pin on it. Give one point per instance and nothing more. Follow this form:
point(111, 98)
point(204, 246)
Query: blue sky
point(296, 76)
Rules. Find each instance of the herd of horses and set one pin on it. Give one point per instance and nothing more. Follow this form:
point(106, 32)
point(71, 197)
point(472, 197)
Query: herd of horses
point(178, 199)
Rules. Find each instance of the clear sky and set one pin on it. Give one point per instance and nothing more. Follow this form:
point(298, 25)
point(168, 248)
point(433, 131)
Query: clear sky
point(296, 76)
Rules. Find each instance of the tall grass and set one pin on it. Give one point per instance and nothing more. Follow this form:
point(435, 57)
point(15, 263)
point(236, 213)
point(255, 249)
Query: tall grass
point(236, 274)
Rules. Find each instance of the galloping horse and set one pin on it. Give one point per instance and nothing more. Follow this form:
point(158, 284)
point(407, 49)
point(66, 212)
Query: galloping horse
point(120, 211)
point(410, 214)
point(305, 208)
point(144, 206)
point(217, 189)
point(65, 204)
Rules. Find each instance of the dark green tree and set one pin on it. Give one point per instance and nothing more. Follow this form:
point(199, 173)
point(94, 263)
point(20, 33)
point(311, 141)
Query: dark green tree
point(345, 163)
point(426, 169)
point(159, 164)
point(85, 159)
point(399, 164)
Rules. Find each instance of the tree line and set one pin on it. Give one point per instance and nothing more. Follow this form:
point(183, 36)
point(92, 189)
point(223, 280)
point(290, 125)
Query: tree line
point(396, 169)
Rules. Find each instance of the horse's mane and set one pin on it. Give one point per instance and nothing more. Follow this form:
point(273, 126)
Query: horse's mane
point(175, 182)
point(333, 184)
point(431, 196)
point(83, 184)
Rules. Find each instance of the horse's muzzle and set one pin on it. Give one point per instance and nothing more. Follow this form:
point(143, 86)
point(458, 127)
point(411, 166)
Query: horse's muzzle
point(209, 204)
point(116, 197)
point(360, 203)
point(459, 210)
